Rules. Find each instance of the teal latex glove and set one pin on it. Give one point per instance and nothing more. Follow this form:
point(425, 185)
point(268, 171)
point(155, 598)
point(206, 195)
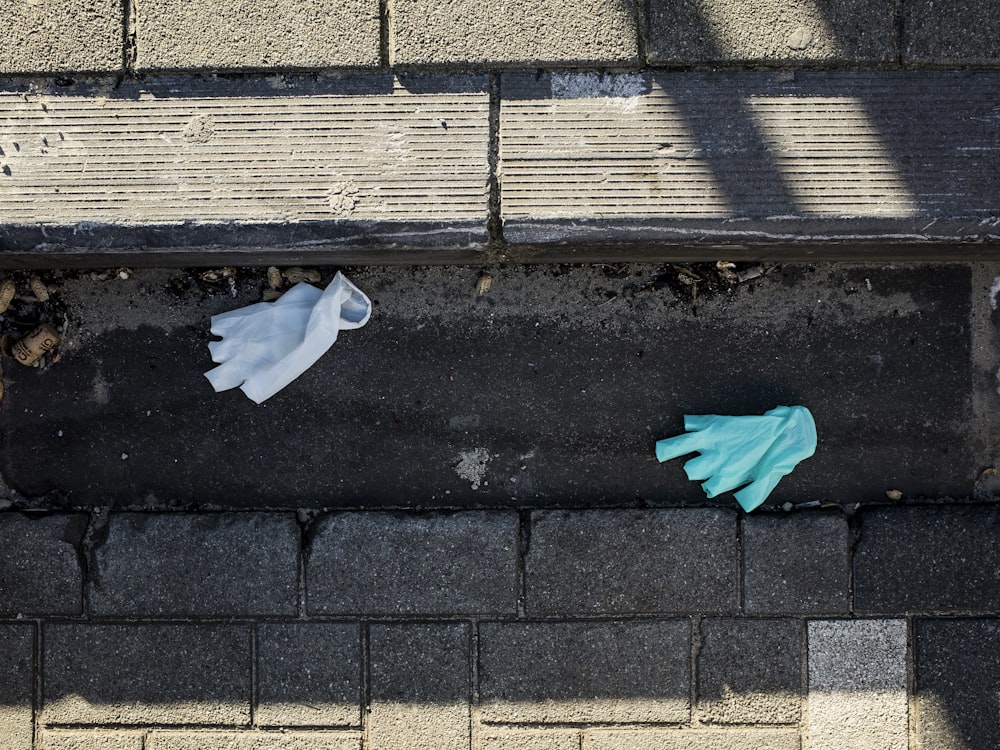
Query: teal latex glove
point(736, 451)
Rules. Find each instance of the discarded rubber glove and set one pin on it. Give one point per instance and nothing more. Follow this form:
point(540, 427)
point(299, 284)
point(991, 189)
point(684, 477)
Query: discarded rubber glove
point(266, 346)
point(736, 451)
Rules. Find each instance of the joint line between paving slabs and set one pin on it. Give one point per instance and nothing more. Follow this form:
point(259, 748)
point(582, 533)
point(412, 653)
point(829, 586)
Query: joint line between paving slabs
point(741, 562)
point(385, 18)
point(130, 40)
point(694, 633)
point(912, 716)
point(473, 718)
point(36, 684)
point(366, 683)
point(494, 222)
point(523, 542)
point(254, 673)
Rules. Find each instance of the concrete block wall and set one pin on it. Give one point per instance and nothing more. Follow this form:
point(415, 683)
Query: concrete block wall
point(57, 37)
point(549, 629)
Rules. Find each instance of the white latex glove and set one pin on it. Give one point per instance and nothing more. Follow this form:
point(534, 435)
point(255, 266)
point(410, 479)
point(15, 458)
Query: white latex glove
point(267, 345)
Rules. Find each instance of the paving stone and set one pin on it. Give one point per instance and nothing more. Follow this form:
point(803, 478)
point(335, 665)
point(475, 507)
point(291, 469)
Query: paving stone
point(750, 671)
point(146, 674)
point(381, 563)
point(516, 33)
point(692, 739)
point(632, 561)
point(492, 738)
point(542, 672)
point(701, 31)
point(197, 565)
point(962, 31)
point(97, 739)
point(795, 564)
point(957, 683)
point(929, 559)
point(252, 741)
point(61, 36)
point(309, 675)
point(857, 685)
point(39, 568)
point(419, 686)
point(16, 663)
point(254, 34)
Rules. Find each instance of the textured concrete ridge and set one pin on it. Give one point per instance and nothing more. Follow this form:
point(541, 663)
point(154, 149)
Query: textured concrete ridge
point(254, 34)
point(787, 32)
point(523, 33)
point(61, 36)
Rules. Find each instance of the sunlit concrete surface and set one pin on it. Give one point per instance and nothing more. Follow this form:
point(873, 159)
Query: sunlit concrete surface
point(857, 685)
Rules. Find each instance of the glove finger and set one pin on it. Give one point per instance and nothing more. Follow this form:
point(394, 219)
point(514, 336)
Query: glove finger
point(680, 445)
point(227, 375)
point(702, 467)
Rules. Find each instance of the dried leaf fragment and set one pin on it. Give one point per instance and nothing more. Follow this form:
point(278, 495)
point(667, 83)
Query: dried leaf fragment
point(274, 278)
point(39, 289)
point(484, 283)
point(894, 495)
point(7, 291)
point(218, 274)
point(296, 274)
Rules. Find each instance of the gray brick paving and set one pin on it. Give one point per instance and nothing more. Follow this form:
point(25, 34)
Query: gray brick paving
point(792, 31)
point(146, 674)
point(16, 664)
point(252, 741)
point(750, 671)
point(632, 561)
point(943, 559)
point(39, 567)
point(857, 684)
point(94, 739)
point(541, 672)
point(420, 686)
point(197, 565)
point(957, 683)
point(380, 563)
point(516, 33)
point(254, 34)
point(55, 36)
point(962, 31)
point(702, 739)
point(795, 564)
point(309, 674)
point(494, 738)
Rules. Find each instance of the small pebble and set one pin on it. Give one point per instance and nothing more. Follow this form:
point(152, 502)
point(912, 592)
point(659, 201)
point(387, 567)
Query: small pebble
point(894, 494)
point(124, 456)
point(787, 507)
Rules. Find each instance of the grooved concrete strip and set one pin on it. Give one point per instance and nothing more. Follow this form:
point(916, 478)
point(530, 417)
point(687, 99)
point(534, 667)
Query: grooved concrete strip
point(965, 32)
point(377, 563)
point(61, 36)
point(16, 665)
point(700, 739)
point(795, 564)
point(746, 156)
point(635, 672)
point(420, 686)
point(252, 741)
point(857, 685)
point(750, 671)
point(146, 674)
point(196, 565)
point(517, 32)
point(957, 683)
point(39, 568)
point(632, 561)
point(309, 674)
point(787, 31)
point(334, 159)
point(953, 568)
point(252, 34)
